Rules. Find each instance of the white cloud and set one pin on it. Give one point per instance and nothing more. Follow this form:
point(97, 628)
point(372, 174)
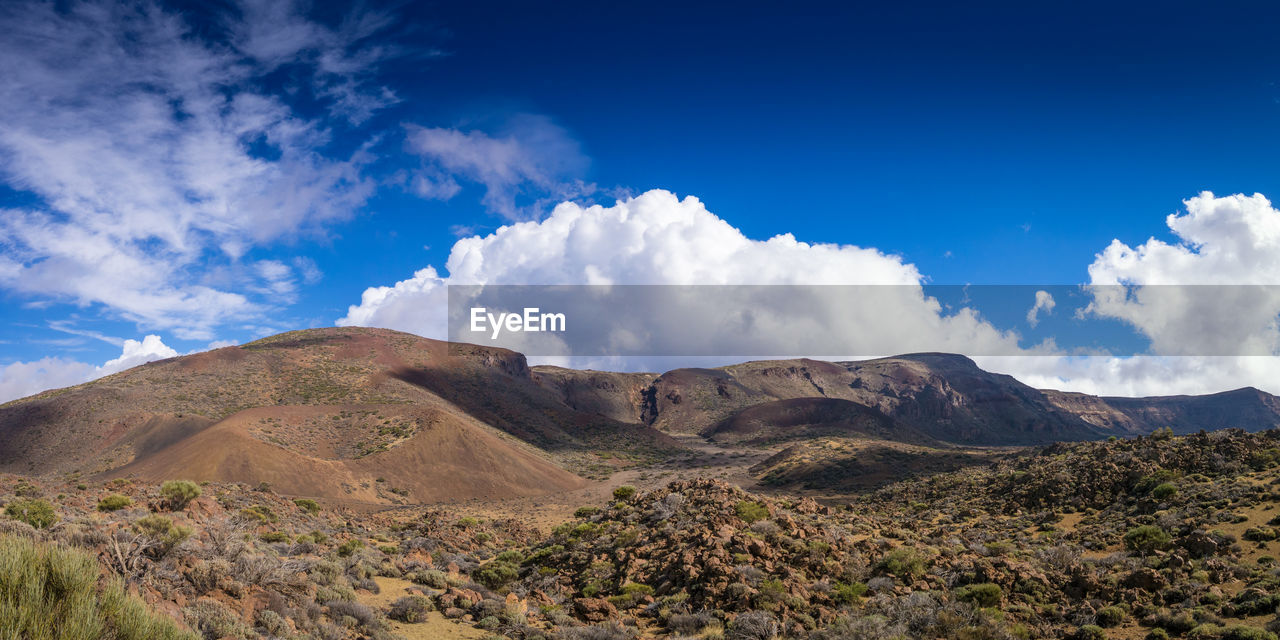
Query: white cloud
point(657, 238)
point(21, 379)
point(135, 353)
point(1209, 304)
point(1217, 292)
point(530, 158)
point(1044, 302)
point(1140, 375)
point(417, 305)
point(157, 155)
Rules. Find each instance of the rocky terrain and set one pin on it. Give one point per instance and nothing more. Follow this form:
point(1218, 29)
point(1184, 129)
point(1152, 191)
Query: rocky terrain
point(1153, 537)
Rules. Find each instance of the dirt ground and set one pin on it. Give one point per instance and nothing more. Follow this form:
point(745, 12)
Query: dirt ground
point(544, 512)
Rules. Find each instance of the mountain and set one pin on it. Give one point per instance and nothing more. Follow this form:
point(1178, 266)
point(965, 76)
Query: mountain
point(912, 398)
point(381, 417)
point(1248, 408)
point(365, 415)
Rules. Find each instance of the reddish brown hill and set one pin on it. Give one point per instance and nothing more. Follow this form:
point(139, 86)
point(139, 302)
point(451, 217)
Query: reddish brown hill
point(449, 457)
point(321, 412)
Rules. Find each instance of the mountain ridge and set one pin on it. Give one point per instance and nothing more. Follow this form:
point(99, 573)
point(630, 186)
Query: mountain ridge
point(384, 417)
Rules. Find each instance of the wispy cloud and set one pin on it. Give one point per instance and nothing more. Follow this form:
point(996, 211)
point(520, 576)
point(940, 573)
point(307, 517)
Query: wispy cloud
point(157, 154)
point(1044, 303)
point(525, 165)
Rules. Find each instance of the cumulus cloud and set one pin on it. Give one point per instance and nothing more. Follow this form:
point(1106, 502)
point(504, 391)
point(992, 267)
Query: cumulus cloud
point(657, 238)
point(1209, 304)
point(1216, 292)
point(1044, 302)
point(135, 353)
point(156, 154)
point(21, 379)
point(527, 163)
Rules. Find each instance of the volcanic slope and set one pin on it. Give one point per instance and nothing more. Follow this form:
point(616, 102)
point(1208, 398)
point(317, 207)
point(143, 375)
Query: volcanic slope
point(365, 415)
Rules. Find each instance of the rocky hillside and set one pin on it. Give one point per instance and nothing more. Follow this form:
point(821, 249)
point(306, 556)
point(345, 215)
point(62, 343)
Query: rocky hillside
point(939, 396)
point(1248, 408)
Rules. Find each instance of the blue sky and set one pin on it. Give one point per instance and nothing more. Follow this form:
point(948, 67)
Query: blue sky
point(322, 153)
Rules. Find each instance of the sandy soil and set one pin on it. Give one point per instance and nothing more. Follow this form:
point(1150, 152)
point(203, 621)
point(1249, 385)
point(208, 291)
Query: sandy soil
point(436, 627)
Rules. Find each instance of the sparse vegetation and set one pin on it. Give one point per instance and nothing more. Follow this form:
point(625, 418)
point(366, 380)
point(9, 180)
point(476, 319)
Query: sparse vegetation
point(1154, 537)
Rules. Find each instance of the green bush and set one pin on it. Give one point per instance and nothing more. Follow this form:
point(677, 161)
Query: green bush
point(274, 536)
point(162, 531)
point(1090, 632)
point(1164, 491)
point(510, 556)
point(585, 512)
point(985, 594)
point(903, 563)
point(636, 588)
point(410, 609)
point(308, 505)
point(262, 514)
point(751, 511)
point(1240, 632)
point(1260, 534)
point(1146, 538)
point(434, 578)
point(1208, 631)
point(1111, 616)
point(844, 593)
point(178, 493)
point(496, 574)
point(349, 547)
point(49, 592)
point(35, 512)
point(624, 493)
point(114, 502)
